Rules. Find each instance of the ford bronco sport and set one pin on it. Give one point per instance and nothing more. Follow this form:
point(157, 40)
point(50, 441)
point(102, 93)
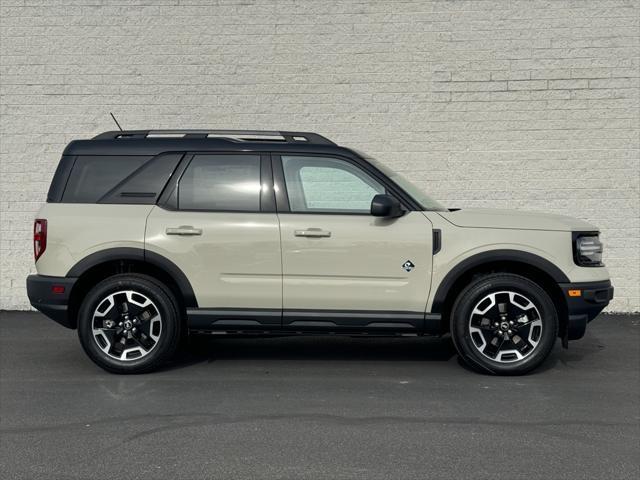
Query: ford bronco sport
point(147, 236)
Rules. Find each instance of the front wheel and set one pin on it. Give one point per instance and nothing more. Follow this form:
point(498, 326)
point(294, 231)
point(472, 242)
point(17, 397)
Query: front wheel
point(129, 323)
point(504, 324)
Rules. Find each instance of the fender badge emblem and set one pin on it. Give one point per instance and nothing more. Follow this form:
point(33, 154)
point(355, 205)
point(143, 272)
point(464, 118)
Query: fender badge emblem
point(408, 266)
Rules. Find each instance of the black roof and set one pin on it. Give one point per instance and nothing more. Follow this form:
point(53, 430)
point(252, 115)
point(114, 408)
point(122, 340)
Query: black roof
point(153, 142)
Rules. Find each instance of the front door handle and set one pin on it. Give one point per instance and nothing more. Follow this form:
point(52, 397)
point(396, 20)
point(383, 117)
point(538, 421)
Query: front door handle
point(184, 230)
point(312, 232)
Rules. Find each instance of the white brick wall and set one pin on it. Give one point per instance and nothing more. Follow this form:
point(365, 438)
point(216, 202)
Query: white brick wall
point(527, 105)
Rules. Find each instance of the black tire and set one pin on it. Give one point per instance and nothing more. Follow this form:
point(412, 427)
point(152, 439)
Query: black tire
point(163, 300)
point(473, 295)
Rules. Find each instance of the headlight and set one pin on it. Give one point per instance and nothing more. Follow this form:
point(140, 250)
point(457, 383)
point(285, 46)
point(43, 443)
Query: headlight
point(587, 249)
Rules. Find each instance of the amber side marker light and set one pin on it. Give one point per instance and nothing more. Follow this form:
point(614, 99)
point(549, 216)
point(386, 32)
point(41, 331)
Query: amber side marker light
point(575, 293)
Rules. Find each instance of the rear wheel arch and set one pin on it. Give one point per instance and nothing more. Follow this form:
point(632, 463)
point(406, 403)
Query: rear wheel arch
point(103, 264)
point(535, 268)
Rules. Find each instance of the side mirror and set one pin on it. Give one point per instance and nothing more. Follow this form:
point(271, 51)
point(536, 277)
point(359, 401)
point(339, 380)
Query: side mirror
point(384, 205)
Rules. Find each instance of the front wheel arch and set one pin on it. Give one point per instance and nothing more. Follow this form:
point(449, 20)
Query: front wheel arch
point(542, 272)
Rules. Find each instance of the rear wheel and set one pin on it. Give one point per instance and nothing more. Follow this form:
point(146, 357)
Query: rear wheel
point(504, 324)
point(129, 323)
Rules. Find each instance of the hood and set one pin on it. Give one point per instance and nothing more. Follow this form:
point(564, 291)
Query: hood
point(515, 220)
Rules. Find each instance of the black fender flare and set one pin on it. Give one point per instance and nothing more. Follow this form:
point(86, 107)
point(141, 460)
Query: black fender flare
point(141, 255)
point(488, 257)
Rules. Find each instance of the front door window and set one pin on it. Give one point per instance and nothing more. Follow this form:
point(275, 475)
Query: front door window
point(328, 185)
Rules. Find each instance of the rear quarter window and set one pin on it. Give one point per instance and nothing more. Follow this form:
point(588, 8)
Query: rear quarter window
point(146, 183)
point(93, 176)
point(60, 177)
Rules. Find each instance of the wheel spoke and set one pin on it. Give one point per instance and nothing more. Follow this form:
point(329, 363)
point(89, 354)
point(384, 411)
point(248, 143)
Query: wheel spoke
point(493, 347)
point(117, 347)
point(522, 325)
point(485, 324)
point(144, 341)
point(522, 344)
point(111, 333)
point(145, 315)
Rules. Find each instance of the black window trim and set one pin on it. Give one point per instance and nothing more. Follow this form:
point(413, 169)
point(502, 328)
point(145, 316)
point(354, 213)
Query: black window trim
point(168, 198)
point(270, 156)
point(282, 197)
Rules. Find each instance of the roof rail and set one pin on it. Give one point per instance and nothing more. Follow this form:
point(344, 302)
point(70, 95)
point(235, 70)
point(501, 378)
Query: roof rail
point(233, 135)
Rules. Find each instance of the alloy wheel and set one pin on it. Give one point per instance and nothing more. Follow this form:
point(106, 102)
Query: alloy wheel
point(126, 325)
point(505, 326)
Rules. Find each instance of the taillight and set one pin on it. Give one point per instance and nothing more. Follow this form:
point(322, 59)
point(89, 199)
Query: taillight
point(39, 237)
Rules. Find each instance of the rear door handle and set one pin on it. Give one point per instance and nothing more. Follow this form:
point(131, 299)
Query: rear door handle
point(312, 232)
point(184, 230)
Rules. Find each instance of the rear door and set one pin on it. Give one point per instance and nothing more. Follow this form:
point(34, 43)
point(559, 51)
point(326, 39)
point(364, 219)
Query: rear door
point(217, 223)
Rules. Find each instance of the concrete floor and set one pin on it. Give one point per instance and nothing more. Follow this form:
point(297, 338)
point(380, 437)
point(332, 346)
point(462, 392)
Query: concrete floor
point(318, 407)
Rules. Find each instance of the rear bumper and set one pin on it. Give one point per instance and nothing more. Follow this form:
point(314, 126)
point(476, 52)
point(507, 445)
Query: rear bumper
point(586, 306)
point(54, 303)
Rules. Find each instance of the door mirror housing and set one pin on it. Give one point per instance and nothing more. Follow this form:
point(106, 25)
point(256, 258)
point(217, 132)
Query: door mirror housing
point(384, 205)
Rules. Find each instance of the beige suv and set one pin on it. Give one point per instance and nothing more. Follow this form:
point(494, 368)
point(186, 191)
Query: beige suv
point(148, 236)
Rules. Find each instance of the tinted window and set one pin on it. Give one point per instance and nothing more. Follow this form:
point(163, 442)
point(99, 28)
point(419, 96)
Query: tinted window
point(59, 181)
point(318, 184)
point(145, 184)
point(93, 176)
point(221, 182)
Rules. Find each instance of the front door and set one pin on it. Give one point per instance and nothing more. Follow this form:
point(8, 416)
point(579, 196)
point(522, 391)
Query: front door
point(342, 268)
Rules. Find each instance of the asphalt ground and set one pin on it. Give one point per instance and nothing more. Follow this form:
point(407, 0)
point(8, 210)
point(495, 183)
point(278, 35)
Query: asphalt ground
point(318, 407)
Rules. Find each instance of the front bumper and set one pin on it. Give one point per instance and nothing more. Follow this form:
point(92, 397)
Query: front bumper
point(50, 295)
point(585, 306)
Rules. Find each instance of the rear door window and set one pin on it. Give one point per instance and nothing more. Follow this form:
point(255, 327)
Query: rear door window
point(221, 182)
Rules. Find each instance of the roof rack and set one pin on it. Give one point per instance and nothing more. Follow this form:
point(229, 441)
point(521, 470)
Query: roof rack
point(233, 135)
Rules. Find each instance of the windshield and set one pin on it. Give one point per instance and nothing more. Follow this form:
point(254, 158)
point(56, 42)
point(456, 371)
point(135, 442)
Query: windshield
point(413, 190)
